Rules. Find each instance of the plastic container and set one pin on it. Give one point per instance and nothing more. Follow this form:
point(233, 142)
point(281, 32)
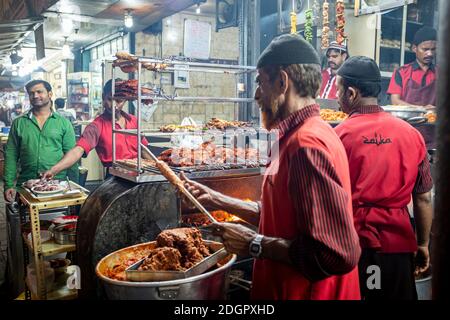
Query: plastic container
point(49, 276)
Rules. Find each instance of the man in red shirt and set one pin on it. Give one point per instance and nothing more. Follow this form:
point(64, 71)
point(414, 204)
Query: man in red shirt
point(388, 165)
point(414, 84)
point(98, 135)
point(336, 55)
point(306, 246)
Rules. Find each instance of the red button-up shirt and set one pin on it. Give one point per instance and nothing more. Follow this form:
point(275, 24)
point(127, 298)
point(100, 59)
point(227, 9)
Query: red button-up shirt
point(411, 71)
point(306, 196)
point(98, 135)
point(388, 162)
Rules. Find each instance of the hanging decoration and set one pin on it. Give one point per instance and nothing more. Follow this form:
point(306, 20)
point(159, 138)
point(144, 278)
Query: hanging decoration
point(340, 21)
point(325, 25)
point(293, 19)
point(309, 25)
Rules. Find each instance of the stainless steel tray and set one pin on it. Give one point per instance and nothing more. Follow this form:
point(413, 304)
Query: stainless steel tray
point(76, 191)
point(152, 177)
point(219, 253)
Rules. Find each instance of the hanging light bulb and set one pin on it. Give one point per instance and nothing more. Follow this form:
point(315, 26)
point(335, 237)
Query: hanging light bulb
point(128, 19)
point(66, 52)
point(67, 25)
point(198, 11)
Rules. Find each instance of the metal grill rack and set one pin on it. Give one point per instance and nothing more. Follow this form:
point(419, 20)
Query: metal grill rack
point(142, 173)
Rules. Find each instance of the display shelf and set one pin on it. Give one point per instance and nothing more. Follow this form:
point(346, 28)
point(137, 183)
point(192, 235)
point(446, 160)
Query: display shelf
point(50, 247)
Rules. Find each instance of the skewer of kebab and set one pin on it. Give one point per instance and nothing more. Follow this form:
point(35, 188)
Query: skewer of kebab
point(326, 28)
point(340, 21)
point(168, 173)
point(309, 25)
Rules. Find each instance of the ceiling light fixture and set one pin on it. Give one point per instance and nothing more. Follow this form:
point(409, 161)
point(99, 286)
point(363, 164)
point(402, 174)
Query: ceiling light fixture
point(128, 18)
point(67, 25)
point(198, 10)
point(66, 52)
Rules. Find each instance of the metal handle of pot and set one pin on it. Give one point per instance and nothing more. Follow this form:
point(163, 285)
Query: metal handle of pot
point(170, 293)
point(417, 120)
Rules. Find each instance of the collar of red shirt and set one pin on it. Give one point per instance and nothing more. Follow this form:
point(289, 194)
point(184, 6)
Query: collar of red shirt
point(107, 116)
point(296, 119)
point(367, 109)
point(415, 66)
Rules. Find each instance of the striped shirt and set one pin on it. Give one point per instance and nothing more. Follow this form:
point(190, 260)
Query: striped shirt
point(313, 162)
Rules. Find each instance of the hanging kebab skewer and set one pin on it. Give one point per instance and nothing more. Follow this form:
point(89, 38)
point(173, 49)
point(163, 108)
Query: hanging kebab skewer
point(326, 26)
point(340, 21)
point(168, 173)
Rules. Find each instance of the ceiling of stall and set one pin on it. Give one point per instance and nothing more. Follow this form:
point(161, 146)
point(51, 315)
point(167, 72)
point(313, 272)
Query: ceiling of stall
point(92, 19)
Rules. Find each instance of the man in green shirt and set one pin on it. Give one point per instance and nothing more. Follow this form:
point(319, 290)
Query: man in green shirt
point(37, 140)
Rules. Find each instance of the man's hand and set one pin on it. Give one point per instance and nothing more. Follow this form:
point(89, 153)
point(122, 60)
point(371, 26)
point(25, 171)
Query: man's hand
point(422, 260)
point(48, 175)
point(206, 196)
point(236, 237)
point(9, 195)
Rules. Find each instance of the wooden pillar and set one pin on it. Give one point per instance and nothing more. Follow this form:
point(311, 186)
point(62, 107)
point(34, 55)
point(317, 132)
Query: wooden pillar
point(441, 228)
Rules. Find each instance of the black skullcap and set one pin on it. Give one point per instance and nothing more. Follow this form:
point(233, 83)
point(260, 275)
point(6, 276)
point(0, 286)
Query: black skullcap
point(288, 49)
point(425, 34)
point(360, 69)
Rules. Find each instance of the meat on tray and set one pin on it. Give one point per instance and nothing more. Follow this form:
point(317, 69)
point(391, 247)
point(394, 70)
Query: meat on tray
point(48, 187)
point(177, 250)
point(220, 124)
point(42, 185)
point(210, 154)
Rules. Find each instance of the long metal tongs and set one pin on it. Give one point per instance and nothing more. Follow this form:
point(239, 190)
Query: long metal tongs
point(170, 175)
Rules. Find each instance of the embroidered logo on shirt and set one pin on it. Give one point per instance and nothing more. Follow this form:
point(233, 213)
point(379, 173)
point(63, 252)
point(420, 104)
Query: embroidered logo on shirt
point(378, 140)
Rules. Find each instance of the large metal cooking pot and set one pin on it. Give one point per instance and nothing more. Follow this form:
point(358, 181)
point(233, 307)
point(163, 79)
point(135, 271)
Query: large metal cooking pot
point(212, 285)
point(411, 114)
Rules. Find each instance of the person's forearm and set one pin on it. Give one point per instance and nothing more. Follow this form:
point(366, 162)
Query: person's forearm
point(68, 160)
point(246, 210)
point(400, 102)
point(423, 216)
point(276, 249)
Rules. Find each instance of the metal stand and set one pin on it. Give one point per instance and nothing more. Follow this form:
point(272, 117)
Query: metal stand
point(49, 248)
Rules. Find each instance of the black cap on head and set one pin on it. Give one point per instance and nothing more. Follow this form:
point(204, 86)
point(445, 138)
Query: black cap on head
point(360, 69)
point(424, 34)
point(288, 49)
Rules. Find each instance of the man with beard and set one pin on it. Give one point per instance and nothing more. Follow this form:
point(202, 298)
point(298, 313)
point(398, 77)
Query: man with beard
point(306, 246)
point(388, 165)
point(98, 135)
point(37, 140)
point(336, 55)
point(414, 84)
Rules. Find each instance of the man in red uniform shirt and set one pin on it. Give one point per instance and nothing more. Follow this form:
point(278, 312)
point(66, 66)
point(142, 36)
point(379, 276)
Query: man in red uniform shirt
point(306, 246)
point(414, 84)
point(336, 56)
point(388, 164)
point(98, 135)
